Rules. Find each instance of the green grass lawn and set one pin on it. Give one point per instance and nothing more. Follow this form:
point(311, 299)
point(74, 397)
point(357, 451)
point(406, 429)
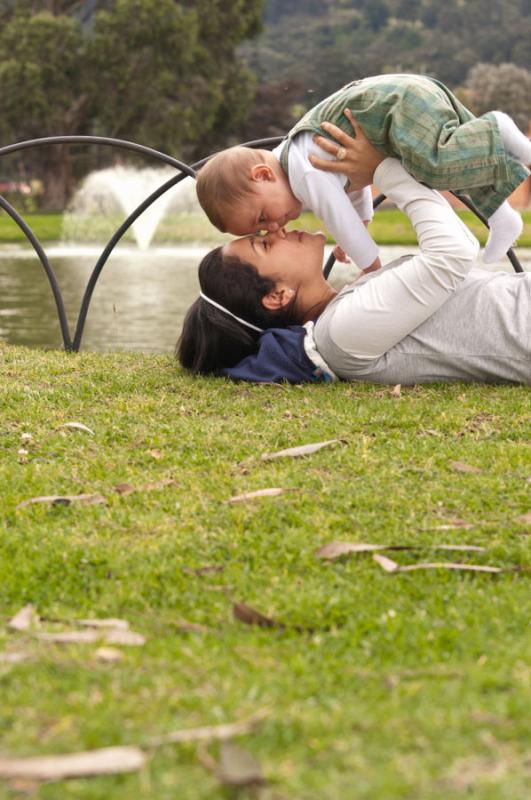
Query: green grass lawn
point(388, 227)
point(47, 227)
point(412, 686)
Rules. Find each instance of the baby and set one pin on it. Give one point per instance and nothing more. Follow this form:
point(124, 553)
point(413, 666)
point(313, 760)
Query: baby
point(410, 117)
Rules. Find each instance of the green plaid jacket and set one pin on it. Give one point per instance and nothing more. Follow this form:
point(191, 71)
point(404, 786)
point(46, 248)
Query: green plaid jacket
point(418, 120)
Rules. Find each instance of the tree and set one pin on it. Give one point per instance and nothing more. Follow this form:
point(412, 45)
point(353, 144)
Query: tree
point(504, 87)
point(162, 73)
point(43, 91)
point(377, 12)
point(351, 39)
point(273, 112)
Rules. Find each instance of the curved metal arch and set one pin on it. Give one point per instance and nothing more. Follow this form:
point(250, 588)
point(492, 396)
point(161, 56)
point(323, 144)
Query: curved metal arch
point(185, 171)
point(105, 140)
point(43, 258)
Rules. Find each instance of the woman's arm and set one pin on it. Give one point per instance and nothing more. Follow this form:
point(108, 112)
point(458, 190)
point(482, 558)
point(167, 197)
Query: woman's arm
point(377, 315)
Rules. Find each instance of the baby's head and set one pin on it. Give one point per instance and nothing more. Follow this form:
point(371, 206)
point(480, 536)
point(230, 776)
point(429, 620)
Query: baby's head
point(243, 191)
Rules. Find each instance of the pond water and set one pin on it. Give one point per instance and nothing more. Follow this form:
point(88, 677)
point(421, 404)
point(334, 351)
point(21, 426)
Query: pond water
point(139, 302)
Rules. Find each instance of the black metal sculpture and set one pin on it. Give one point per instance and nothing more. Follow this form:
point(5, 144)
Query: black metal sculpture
point(184, 170)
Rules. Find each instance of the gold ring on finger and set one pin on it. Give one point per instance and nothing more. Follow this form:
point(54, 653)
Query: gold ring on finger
point(341, 153)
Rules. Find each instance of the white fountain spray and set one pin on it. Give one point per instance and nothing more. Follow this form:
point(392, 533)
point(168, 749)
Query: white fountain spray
point(109, 194)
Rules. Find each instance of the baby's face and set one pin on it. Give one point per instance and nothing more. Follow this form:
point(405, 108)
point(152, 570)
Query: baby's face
point(269, 207)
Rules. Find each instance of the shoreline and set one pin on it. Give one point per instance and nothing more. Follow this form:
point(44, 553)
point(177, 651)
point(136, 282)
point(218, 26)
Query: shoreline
point(389, 227)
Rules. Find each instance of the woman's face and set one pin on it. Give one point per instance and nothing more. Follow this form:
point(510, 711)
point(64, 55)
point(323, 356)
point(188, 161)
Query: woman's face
point(293, 258)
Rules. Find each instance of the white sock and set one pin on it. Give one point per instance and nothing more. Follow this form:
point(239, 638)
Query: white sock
point(515, 142)
point(505, 226)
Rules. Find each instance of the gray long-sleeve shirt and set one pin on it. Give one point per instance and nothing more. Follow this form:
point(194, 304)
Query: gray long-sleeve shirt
point(433, 316)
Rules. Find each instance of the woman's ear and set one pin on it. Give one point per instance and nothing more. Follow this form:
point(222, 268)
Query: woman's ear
point(262, 172)
point(278, 298)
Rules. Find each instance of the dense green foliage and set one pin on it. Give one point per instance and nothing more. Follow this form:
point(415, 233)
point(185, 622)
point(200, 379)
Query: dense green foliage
point(161, 73)
point(318, 46)
point(503, 86)
point(190, 77)
point(409, 686)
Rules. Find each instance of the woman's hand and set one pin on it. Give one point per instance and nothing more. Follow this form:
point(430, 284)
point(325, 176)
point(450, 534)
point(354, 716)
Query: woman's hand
point(340, 255)
point(360, 157)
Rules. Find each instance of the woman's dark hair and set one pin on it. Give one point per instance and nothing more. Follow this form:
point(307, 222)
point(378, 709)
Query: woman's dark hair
point(212, 340)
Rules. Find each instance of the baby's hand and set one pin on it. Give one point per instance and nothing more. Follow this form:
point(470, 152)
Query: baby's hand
point(340, 255)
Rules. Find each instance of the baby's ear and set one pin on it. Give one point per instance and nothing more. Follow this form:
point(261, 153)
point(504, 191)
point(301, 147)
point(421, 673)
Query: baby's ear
point(262, 172)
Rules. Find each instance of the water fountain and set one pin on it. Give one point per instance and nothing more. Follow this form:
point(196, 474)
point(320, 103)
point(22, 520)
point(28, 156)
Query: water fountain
point(107, 196)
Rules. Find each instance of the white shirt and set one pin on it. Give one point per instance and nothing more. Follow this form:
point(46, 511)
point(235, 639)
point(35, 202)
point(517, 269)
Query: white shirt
point(324, 194)
point(433, 316)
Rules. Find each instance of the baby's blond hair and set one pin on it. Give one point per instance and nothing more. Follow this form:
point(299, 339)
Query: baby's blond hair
point(225, 181)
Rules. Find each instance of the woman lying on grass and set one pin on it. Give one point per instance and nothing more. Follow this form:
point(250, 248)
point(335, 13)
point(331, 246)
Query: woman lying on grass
point(266, 312)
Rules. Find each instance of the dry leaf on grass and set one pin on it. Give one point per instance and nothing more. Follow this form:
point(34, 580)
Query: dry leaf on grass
point(238, 767)
point(76, 426)
point(241, 498)
point(149, 487)
point(460, 466)
point(211, 733)
point(452, 524)
point(450, 565)
point(396, 391)
point(386, 563)
point(108, 654)
point(463, 548)
point(468, 775)
point(24, 619)
point(336, 550)
point(13, 657)
point(393, 567)
point(155, 453)
point(302, 450)
point(126, 488)
point(116, 624)
point(126, 638)
point(107, 761)
point(190, 627)
point(208, 568)
point(250, 616)
point(525, 518)
point(22, 455)
point(65, 500)
point(70, 637)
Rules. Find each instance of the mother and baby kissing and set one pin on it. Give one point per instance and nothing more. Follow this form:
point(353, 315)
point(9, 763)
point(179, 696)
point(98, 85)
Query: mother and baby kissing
point(266, 311)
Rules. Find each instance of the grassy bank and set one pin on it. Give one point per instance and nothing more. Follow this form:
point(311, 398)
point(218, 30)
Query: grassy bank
point(412, 685)
point(389, 227)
